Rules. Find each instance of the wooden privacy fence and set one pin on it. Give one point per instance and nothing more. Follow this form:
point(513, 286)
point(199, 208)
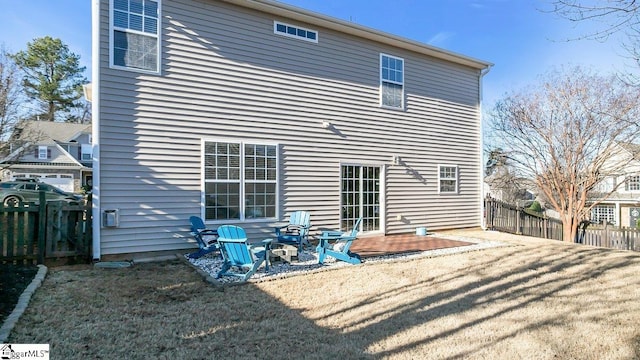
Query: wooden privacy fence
point(30, 233)
point(508, 218)
point(622, 238)
point(515, 220)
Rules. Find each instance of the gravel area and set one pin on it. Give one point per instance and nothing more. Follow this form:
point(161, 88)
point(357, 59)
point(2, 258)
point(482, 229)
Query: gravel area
point(308, 261)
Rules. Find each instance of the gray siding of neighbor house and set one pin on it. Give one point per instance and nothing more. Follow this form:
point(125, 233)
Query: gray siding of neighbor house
point(57, 156)
point(226, 75)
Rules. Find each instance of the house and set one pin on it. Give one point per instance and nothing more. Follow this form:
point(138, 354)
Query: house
point(244, 111)
point(59, 154)
point(618, 196)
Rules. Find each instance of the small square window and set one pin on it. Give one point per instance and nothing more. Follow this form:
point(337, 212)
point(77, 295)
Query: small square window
point(448, 179)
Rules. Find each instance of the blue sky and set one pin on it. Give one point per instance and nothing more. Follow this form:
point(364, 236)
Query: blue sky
point(521, 40)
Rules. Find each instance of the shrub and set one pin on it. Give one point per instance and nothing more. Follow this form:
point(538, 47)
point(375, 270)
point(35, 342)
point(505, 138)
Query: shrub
point(535, 206)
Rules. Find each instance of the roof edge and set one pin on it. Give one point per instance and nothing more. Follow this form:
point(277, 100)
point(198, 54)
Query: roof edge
point(296, 13)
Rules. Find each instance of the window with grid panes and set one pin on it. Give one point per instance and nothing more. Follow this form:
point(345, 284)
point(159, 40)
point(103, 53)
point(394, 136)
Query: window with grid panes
point(136, 34)
point(632, 183)
point(603, 213)
point(240, 181)
point(293, 31)
point(448, 179)
point(391, 81)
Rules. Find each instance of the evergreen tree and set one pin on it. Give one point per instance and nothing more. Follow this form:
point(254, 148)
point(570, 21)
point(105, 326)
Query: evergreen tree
point(52, 76)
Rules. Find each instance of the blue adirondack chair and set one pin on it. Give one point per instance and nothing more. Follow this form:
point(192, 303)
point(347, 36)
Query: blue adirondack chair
point(236, 252)
point(337, 244)
point(297, 231)
point(206, 238)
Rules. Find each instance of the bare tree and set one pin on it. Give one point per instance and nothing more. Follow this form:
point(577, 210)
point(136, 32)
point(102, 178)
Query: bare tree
point(503, 184)
point(10, 92)
point(612, 16)
point(564, 134)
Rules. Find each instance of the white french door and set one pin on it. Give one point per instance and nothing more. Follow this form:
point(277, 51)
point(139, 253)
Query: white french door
point(360, 197)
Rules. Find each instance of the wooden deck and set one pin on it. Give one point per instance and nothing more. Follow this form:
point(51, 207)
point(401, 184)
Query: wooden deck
point(395, 244)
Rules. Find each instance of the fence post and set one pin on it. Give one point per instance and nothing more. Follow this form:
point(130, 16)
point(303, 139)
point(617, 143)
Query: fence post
point(545, 228)
point(489, 208)
point(42, 225)
point(625, 238)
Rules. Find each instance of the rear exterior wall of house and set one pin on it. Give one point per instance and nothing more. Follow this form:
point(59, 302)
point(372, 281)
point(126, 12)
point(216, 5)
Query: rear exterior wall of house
point(226, 76)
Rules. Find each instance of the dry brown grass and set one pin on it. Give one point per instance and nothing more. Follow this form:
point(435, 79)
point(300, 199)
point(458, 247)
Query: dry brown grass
point(536, 299)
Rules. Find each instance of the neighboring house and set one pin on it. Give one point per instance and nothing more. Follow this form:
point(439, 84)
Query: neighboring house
point(501, 185)
point(244, 111)
point(59, 154)
point(619, 195)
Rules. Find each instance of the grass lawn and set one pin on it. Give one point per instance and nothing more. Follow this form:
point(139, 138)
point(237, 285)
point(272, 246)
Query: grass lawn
point(535, 299)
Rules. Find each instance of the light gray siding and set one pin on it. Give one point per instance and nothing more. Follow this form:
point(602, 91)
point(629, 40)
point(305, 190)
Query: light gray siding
point(226, 75)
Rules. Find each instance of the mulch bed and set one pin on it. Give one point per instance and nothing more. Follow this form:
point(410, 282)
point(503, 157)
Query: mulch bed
point(13, 280)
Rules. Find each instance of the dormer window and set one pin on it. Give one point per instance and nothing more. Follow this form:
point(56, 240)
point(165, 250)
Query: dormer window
point(43, 153)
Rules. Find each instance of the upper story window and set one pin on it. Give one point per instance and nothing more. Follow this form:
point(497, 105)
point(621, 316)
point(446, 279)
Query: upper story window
point(391, 81)
point(43, 152)
point(86, 152)
point(632, 183)
point(295, 31)
point(135, 35)
point(240, 180)
point(448, 179)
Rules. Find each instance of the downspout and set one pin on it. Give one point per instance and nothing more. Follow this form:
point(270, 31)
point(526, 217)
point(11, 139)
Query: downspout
point(483, 219)
point(95, 125)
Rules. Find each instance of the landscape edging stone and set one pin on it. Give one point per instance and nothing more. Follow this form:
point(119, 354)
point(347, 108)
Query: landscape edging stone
point(22, 304)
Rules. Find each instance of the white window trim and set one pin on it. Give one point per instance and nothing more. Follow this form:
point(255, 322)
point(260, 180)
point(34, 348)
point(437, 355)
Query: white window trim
point(402, 102)
point(632, 180)
point(382, 194)
point(241, 180)
point(275, 31)
point(457, 179)
point(158, 37)
point(610, 210)
point(43, 149)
